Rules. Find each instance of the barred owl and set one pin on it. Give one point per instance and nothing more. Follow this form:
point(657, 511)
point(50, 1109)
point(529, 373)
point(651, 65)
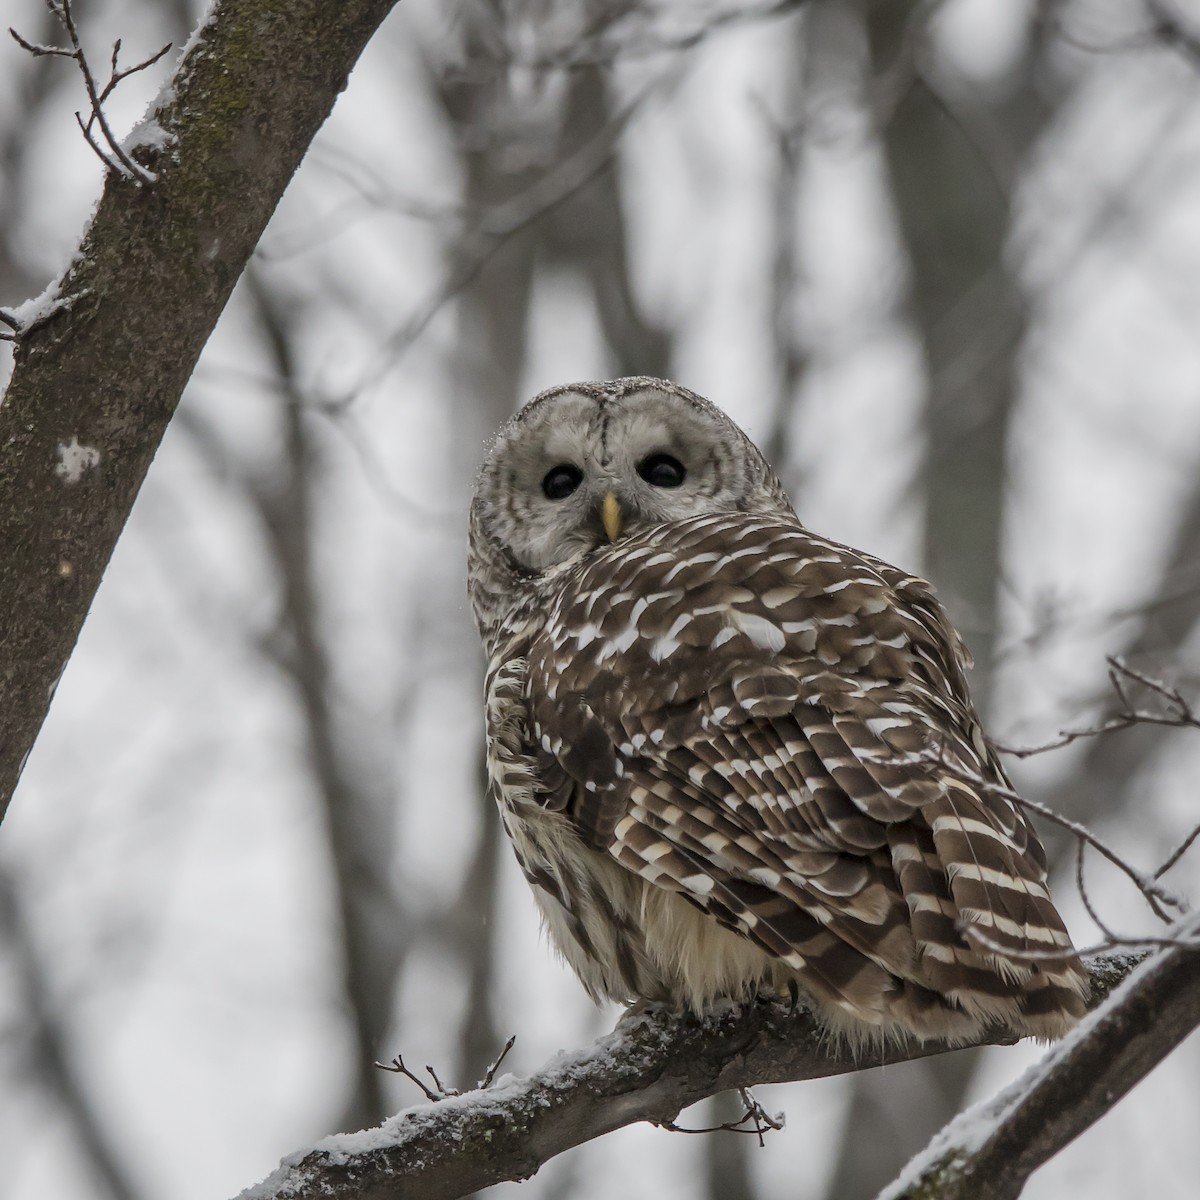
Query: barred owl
point(733, 756)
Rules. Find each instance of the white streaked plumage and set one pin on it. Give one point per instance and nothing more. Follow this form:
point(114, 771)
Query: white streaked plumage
point(733, 755)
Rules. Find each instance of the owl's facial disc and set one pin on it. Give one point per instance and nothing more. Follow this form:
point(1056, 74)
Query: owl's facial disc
point(583, 466)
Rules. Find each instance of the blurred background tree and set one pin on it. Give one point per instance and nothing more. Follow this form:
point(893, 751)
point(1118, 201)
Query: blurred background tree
point(941, 259)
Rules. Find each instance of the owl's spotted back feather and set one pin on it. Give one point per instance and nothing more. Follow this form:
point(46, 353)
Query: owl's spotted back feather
point(732, 754)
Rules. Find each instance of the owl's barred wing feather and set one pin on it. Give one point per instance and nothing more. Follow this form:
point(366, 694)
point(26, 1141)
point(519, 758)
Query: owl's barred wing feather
point(777, 728)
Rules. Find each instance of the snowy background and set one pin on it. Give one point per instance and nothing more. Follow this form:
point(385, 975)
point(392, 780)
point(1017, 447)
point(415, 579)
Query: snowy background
point(941, 260)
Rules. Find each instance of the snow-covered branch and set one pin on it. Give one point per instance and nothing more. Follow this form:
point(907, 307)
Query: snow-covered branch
point(989, 1152)
point(649, 1068)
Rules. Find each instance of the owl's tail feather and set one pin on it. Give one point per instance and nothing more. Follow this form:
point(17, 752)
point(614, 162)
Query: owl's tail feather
point(988, 937)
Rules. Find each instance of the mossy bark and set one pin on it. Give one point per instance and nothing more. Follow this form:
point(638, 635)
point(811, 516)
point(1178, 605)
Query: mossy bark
point(151, 276)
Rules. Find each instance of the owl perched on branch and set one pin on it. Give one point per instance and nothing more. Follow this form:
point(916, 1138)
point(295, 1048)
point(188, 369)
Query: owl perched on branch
point(733, 756)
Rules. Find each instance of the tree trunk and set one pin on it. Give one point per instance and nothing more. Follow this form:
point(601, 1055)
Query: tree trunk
point(95, 384)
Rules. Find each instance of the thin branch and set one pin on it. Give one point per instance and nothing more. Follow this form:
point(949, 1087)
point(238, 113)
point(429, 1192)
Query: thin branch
point(118, 161)
point(440, 1091)
point(650, 1068)
point(1178, 853)
point(754, 1120)
point(37, 49)
point(126, 165)
point(118, 75)
point(86, 129)
point(397, 1067)
point(356, 805)
point(1177, 712)
point(1154, 893)
point(489, 1076)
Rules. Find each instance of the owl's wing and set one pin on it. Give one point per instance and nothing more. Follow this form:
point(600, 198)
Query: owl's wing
point(777, 728)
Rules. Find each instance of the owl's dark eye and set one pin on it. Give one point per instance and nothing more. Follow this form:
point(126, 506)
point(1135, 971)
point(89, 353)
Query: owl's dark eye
point(561, 481)
point(661, 470)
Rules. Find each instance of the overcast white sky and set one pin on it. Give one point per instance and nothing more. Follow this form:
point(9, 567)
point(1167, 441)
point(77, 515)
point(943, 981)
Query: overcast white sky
point(166, 842)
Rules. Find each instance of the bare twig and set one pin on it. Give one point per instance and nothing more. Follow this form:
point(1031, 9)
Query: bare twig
point(397, 1067)
point(117, 76)
point(755, 1120)
point(1080, 858)
point(117, 160)
point(441, 1091)
point(1178, 713)
point(1112, 940)
point(1158, 897)
point(1178, 853)
point(489, 1075)
point(437, 1083)
point(37, 49)
point(1154, 893)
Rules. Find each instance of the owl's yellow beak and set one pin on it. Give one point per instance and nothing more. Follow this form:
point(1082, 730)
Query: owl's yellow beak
point(610, 514)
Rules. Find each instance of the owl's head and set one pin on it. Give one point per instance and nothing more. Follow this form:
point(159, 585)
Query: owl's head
point(587, 464)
